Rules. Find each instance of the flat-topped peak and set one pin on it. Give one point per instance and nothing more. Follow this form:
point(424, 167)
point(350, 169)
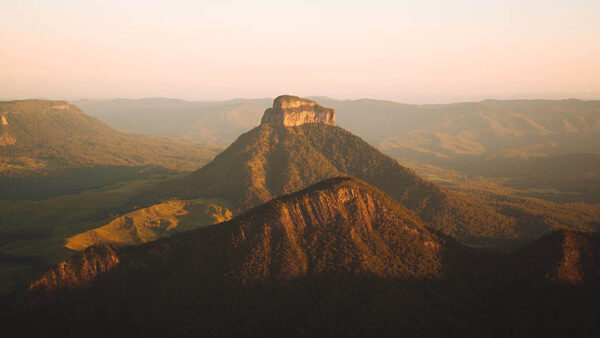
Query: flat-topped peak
point(291, 111)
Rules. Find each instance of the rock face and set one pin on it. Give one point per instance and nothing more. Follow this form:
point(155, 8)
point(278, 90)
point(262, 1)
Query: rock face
point(5, 138)
point(292, 111)
point(76, 271)
point(563, 257)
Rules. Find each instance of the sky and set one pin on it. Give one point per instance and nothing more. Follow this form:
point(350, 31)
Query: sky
point(411, 51)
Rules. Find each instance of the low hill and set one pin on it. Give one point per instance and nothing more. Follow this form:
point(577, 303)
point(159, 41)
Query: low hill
point(38, 136)
point(148, 224)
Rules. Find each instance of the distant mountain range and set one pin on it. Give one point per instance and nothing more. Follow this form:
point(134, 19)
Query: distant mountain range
point(489, 138)
point(219, 122)
point(46, 136)
point(515, 128)
point(274, 159)
point(52, 147)
point(329, 237)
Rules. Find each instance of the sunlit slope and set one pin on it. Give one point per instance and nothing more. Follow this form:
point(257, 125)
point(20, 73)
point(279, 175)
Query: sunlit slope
point(148, 224)
point(32, 233)
point(38, 136)
point(271, 161)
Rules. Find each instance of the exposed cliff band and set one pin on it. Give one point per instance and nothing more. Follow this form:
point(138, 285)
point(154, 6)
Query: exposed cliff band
point(292, 111)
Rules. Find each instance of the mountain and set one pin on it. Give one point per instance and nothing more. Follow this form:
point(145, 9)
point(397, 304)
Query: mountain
point(304, 264)
point(548, 148)
point(505, 140)
point(433, 132)
point(46, 136)
point(547, 289)
point(274, 159)
point(339, 258)
point(51, 148)
point(511, 128)
point(563, 257)
point(341, 225)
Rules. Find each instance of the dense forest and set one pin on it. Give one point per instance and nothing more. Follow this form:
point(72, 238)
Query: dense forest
point(338, 258)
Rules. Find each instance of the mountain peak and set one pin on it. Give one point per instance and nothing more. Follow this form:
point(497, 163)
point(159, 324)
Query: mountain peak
point(565, 257)
point(291, 111)
point(338, 226)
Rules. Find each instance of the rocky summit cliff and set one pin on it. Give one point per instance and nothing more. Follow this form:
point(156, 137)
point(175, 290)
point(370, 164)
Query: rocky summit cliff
point(292, 111)
point(564, 257)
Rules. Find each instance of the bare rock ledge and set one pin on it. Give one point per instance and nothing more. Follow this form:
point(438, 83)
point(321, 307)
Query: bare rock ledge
point(292, 111)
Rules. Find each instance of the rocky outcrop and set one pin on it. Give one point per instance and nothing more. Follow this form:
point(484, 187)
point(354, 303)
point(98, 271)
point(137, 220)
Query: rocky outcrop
point(291, 111)
point(77, 271)
point(563, 257)
point(4, 121)
point(61, 107)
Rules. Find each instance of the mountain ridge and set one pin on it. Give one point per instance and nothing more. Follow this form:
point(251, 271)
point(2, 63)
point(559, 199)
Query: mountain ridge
point(267, 162)
point(49, 136)
point(336, 258)
point(273, 240)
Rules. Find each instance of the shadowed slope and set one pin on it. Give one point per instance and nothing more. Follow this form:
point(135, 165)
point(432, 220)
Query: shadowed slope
point(564, 257)
point(338, 226)
point(339, 258)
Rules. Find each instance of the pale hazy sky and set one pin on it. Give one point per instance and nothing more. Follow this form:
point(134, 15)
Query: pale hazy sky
point(412, 51)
